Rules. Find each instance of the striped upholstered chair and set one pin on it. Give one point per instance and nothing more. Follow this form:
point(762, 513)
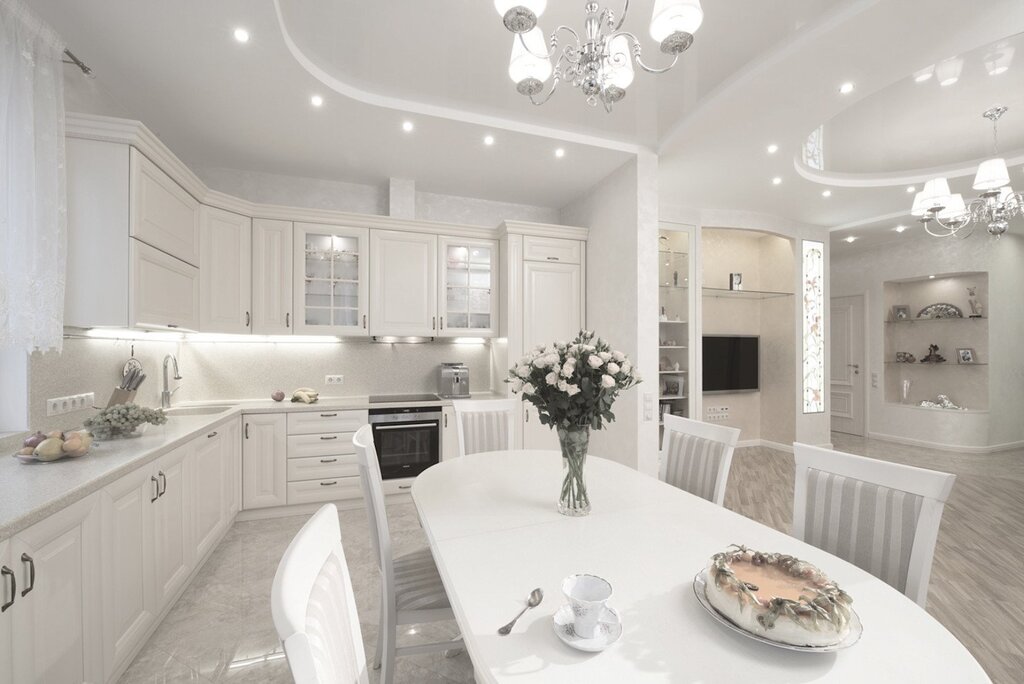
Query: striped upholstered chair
point(696, 456)
point(411, 589)
point(882, 517)
point(484, 424)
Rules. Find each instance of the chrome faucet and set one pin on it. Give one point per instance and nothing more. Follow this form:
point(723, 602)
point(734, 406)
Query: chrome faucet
point(165, 396)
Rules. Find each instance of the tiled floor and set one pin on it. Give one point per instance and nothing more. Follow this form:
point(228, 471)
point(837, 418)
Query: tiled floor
point(221, 630)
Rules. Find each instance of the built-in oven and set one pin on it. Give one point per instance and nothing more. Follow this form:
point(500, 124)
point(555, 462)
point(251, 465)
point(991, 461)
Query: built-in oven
point(408, 440)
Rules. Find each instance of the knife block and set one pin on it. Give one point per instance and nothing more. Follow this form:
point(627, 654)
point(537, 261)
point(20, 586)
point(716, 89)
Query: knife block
point(120, 396)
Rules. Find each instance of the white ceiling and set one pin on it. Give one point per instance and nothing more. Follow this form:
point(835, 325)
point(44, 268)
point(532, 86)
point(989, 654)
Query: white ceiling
point(758, 73)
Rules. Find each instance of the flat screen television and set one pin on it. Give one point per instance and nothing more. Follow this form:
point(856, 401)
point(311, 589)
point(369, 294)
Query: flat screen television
point(731, 363)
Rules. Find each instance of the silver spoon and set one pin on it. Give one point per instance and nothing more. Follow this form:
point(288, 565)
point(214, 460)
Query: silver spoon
point(536, 596)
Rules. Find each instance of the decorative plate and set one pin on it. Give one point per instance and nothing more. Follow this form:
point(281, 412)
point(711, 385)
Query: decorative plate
point(856, 629)
point(940, 310)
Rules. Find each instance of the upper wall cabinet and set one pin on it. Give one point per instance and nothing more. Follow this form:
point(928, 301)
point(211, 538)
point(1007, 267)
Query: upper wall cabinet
point(271, 277)
point(330, 279)
point(163, 292)
point(404, 284)
point(162, 213)
point(225, 272)
point(468, 297)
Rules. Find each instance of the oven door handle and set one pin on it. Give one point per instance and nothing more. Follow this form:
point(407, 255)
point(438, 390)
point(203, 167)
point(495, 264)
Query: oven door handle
point(404, 427)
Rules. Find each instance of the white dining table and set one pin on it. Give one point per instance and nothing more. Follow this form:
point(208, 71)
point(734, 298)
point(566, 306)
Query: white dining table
point(495, 535)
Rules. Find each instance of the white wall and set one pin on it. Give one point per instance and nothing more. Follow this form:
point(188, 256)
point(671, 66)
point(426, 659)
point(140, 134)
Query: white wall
point(918, 255)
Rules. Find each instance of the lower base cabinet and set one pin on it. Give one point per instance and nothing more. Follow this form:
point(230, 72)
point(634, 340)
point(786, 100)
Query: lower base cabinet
point(8, 593)
point(264, 460)
point(173, 557)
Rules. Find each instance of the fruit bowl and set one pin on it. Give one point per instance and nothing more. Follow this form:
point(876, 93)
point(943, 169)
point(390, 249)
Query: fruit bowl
point(56, 446)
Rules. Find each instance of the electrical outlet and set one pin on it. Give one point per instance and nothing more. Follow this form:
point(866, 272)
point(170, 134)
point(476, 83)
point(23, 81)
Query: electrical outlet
point(334, 379)
point(874, 380)
point(74, 402)
point(648, 406)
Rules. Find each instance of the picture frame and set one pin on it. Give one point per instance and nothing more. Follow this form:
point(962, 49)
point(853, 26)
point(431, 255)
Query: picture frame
point(671, 388)
point(966, 355)
point(901, 312)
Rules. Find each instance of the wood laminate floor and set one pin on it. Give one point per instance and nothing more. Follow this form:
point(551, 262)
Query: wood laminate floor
point(220, 629)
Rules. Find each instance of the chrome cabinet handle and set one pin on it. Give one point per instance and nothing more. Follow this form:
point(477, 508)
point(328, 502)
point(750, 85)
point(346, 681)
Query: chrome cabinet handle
point(364, 321)
point(157, 483)
point(287, 320)
point(212, 434)
point(446, 420)
point(328, 484)
point(247, 431)
point(404, 427)
point(328, 460)
point(442, 322)
point(405, 486)
point(433, 322)
point(328, 415)
point(552, 258)
point(329, 438)
point(526, 415)
point(248, 319)
point(163, 480)
point(172, 325)
point(25, 558)
point(7, 572)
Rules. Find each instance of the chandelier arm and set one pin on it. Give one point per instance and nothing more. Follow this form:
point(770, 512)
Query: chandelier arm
point(927, 228)
point(554, 86)
point(636, 53)
point(622, 16)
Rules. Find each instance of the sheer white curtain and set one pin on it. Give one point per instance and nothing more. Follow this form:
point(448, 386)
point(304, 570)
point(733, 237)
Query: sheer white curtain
point(33, 203)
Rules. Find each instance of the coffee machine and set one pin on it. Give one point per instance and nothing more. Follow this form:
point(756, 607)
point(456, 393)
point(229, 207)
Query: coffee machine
point(453, 381)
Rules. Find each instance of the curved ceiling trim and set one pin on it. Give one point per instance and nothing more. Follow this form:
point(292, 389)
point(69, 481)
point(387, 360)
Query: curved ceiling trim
point(887, 179)
point(413, 106)
point(892, 216)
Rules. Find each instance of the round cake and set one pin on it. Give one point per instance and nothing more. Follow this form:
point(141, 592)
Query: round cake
point(778, 597)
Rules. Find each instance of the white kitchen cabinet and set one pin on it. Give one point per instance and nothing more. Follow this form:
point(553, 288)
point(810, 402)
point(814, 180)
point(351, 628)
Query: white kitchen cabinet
point(330, 279)
point(8, 598)
point(468, 296)
point(449, 434)
point(210, 490)
point(164, 291)
point(552, 302)
point(264, 460)
point(162, 213)
point(56, 621)
point(557, 250)
point(129, 595)
point(271, 277)
point(174, 557)
point(225, 272)
point(233, 445)
point(403, 280)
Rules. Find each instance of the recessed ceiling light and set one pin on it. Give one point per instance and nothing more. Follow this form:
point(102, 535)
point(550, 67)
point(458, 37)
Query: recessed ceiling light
point(911, 189)
point(773, 148)
point(559, 153)
point(900, 228)
point(924, 74)
point(949, 81)
point(241, 35)
point(850, 239)
point(407, 126)
point(488, 140)
point(776, 181)
point(826, 193)
point(846, 88)
point(316, 101)
point(931, 277)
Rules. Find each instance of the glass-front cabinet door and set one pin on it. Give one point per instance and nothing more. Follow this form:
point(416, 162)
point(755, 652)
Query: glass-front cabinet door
point(331, 279)
point(468, 299)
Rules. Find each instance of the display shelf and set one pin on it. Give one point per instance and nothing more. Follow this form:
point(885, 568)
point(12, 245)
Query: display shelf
point(671, 397)
point(945, 363)
point(672, 346)
point(936, 320)
point(723, 293)
point(674, 287)
point(676, 372)
point(671, 252)
point(672, 322)
point(892, 406)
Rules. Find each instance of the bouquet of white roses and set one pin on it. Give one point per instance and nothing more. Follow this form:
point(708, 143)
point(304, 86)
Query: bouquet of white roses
point(573, 384)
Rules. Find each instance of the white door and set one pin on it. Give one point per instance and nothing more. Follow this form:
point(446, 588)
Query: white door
point(129, 599)
point(403, 284)
point(264, 461)
point(271, 277)
point(468, 296)
point(329, 276)
point(210, 490)
point(847, 390)
point(162, 213)
point(173, 557)
point(8, 598)
point(164, 291)
point(225, 272)
point(57, 618)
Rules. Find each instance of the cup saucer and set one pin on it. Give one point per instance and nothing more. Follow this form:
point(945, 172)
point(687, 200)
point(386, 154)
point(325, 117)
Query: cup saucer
point(609, 629)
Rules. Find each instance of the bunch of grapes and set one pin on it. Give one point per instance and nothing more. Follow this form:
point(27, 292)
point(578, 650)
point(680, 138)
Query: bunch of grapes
point(123, 419)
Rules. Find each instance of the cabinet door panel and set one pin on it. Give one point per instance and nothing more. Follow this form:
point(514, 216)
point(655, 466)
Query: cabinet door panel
point(468, 296)
point(552, 302)
point(8, 594)
point(271, 277)
point(225, 272)
point(163, 214)
point(449, 434)
point(330, 272)
point(210, 488)
point(164, 290)
point(264, 459)
point(174, 556)
point(327, 421)
point(403, 283)
point(233, 453)
point(552, 249)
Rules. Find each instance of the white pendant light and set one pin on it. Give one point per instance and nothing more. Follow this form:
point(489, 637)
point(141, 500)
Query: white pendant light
point(619, 65)
point(527, 67)
point(955, 209)
point(919, 208)
point(675, 16)
point(936, 194)
point(992, 174)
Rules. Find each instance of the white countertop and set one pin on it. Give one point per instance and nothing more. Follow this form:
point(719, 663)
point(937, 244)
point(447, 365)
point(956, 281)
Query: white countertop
point(31, 492)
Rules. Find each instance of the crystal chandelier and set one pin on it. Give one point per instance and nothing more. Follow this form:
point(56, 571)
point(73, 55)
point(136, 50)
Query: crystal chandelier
point(599, 62)
point(995, 208)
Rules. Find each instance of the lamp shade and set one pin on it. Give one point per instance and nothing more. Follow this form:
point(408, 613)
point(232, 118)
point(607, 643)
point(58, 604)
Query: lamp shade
point(619, 65)
point(675, 16)
point(955, 208)
point(919, 208)
point(535, 6)
point(529, 60)
point(991, 174)
point(936, 194)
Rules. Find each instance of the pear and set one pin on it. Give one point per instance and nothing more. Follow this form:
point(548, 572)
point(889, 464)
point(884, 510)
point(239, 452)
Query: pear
point(49, 449)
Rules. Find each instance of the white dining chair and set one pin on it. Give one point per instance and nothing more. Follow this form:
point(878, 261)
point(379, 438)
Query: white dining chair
point(485, 424)
point(313, 606)
point(882, 517)
point(696, 456)
point(411, 588)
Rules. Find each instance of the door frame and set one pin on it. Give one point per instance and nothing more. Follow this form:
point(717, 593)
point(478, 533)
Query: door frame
point(866, 363)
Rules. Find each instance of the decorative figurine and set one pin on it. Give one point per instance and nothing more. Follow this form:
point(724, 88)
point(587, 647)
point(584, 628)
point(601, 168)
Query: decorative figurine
point(735, 281)
point(933, 355)
point(977, 310)
point(942, 402)
point(905, 357)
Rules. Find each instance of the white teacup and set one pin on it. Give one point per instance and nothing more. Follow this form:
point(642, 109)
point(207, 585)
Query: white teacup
point(587, 595)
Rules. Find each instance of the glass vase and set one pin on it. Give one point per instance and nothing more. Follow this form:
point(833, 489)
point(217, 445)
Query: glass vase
point(574, 499)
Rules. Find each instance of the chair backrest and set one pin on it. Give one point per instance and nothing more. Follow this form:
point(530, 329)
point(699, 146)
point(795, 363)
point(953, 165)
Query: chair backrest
point(314, 608)
point(484, 424)
point(882, 517)
point(696, 456)
point(373, 493)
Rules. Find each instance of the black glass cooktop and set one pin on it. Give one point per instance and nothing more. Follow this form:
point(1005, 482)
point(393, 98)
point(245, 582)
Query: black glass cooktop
point(397, 398)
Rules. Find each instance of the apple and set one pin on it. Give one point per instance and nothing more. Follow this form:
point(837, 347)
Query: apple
point(278, 395)
point(33, 440)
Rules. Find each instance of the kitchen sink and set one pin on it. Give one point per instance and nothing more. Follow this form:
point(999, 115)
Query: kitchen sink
point(197, 410)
